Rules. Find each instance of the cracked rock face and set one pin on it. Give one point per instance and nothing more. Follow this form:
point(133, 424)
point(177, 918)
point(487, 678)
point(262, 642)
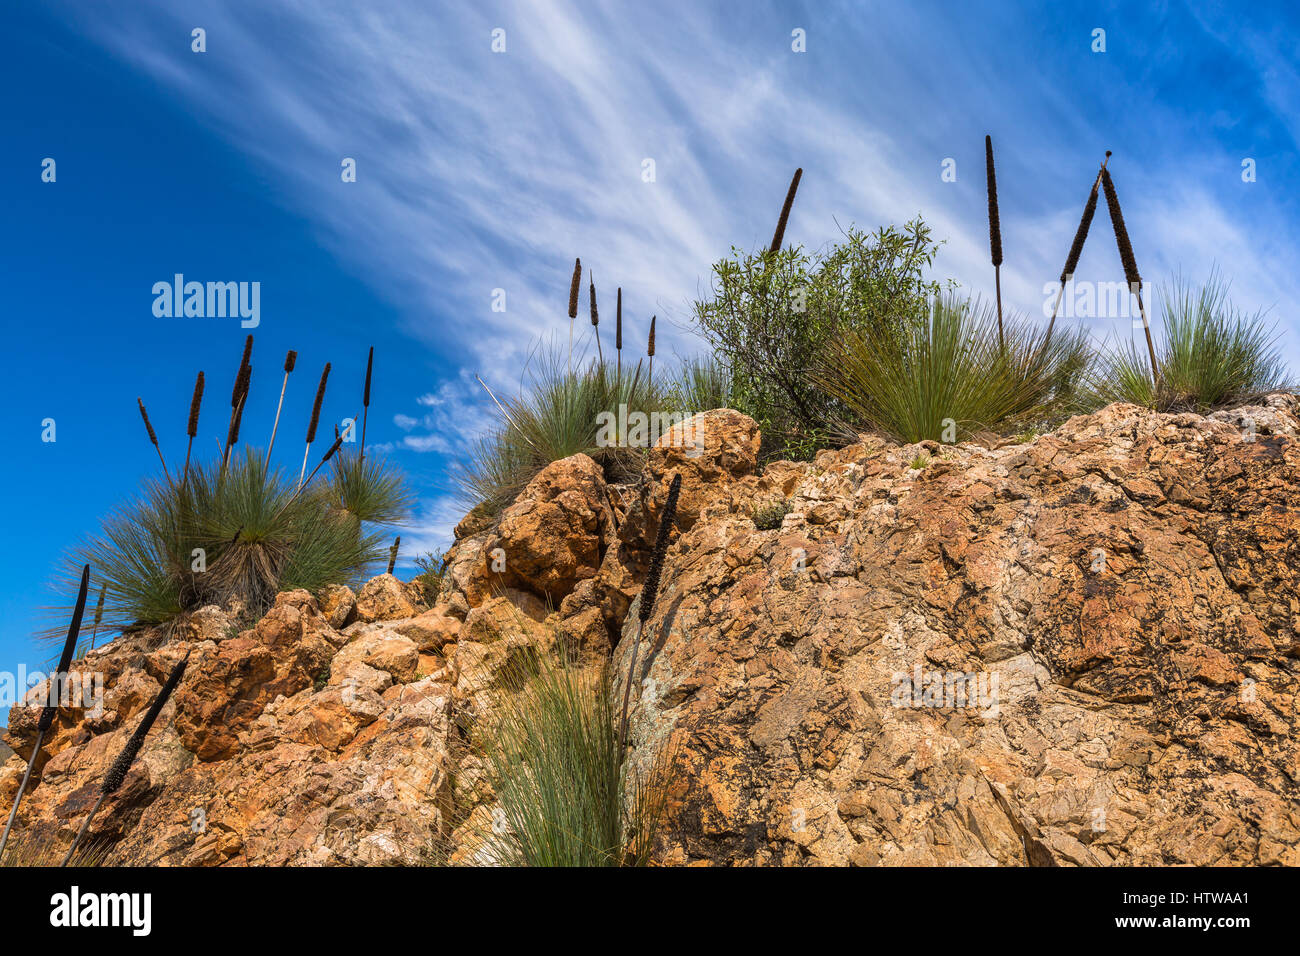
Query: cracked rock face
point(1076, 651)
point(1079, 650)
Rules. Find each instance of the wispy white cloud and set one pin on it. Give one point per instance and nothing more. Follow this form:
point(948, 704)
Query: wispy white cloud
point(431, 530)
point(480, 171)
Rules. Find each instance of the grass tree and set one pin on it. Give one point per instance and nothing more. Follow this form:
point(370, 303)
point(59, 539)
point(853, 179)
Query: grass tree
point(237, 530)
point(941, 375)
point(1210, 355)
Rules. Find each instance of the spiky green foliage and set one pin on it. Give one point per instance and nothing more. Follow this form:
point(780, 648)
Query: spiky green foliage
point(942, 375)
point(1210, 355)
point(702, 384)
point(370, 489)
point(555, 414)
point(432, 565)
point(255, 537)
point(555, 767)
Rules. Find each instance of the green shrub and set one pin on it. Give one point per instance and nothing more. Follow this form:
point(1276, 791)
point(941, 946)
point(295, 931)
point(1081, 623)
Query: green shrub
point(1210, 355)
point(432, 565)
point(942, 375)
point(554, 765)
point(773, 316)
point(769, 517)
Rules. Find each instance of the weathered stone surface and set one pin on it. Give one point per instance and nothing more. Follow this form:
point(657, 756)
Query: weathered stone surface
point(553, 536)
point(339, 605)
point(382, 650)
point(1101, 625)
point(431, 630)
point(467, 580)
point(384, 598)
point(708, 450)
point(1130, 581)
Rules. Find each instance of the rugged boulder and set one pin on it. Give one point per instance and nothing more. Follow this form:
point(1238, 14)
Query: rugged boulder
point(553, 535)
point(1076, 651)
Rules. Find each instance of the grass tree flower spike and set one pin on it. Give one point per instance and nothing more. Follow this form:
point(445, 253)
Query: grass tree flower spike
point(779, 236)
point(116, 775)
point(995, 230)
point(153, 437)
point(1131, 274)
point(290, 360)
point(648, 592)
point(192, 427)
point(315, 419)
point(57, 683)
point(574, 285)
point(365, 399)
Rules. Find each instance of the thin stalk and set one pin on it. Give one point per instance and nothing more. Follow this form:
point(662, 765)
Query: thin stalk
point(290, 361)
point(1076, 248)
point(995, 231)
point(315, 419)
point(192, 426)
point(22, 789)
point(648, 592)
point(99, 614)
point(280, 405)
point(365, 402)
point(232, 436)
point(997, 285)
point(1131, 274)
point(301, 485)
point(595, 320)
point(153, 438)
point(84, 827)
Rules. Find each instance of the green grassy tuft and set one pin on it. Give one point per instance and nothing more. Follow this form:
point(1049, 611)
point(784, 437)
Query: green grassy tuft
point(238, 536)
point(942, 375)
point(1210, 355)
point(554, 764)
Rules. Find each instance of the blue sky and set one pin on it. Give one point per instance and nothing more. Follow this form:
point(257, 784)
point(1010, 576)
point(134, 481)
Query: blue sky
point(479, 171)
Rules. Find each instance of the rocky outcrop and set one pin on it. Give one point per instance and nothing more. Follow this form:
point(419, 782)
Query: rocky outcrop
point(553, 535)
point(1076, 651)
point(287, 743)
point(1079, 650)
